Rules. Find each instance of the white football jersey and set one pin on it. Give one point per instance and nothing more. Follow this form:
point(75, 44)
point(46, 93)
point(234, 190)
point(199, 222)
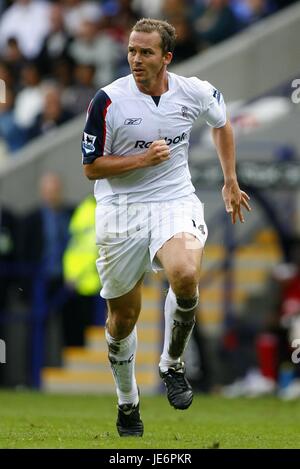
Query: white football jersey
point(121, 120)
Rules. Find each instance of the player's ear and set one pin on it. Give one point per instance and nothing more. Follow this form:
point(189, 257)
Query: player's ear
point(168, 58)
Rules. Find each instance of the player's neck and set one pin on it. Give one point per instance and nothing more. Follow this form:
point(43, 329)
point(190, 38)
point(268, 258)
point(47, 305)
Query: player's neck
point(156, 88)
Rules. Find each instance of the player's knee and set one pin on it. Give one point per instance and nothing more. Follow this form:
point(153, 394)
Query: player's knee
point(121, 323)
point(184, 281)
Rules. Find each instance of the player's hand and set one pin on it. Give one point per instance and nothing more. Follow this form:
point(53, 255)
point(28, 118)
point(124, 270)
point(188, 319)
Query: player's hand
point(234, 200)
point(157, 153)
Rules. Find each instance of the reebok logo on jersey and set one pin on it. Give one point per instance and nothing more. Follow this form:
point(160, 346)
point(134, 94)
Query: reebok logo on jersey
point(88, 142)
point(133, 121)
point(169, 141)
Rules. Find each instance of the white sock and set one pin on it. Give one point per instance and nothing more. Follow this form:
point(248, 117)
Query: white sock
point(179, 324)
point(121, 354)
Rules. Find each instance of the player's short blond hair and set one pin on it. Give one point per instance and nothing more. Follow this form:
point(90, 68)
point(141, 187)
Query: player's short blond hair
point(165, 30)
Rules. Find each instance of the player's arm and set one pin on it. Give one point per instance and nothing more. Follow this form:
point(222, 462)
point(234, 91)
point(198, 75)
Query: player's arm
point(233, 197)
point(97, 141)
point(215, 115)
point(108, 166)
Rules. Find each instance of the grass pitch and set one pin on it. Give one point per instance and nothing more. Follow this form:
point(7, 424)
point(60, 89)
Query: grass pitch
point(36, 420)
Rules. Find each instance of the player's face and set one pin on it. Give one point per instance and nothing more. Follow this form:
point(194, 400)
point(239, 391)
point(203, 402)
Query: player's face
point(146, 58)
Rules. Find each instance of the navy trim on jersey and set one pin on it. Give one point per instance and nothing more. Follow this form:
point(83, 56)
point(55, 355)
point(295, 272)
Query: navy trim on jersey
point(156, 99)
point(217, 95)
point(94, 135)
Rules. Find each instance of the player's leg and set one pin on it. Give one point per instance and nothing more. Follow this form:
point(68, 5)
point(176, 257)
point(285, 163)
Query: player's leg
point(121, 336)
point(181, 258)
point(123, 260)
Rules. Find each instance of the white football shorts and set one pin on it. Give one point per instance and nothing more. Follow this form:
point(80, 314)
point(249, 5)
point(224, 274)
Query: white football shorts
point(129, 236)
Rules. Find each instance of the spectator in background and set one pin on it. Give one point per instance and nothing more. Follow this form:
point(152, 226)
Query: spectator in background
point(53, 113)
point(48, 226)
point(15, 60)
point(28, 22)
point(62, 70)
point(13, 135)
point(80, 274)
point(216, 22)
point(6, 74)
point(98, 49)
point(250, 11)
point(76, 98)
point(57, 41)
point(148, 9)
point(174, 8)
point(118, 19)
point(77, 11)
point(79, 260)
point(29, 101)
point(186, 42)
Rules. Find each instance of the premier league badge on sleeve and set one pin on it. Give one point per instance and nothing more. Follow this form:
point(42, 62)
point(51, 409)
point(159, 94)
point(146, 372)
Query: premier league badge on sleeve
point(88, 142)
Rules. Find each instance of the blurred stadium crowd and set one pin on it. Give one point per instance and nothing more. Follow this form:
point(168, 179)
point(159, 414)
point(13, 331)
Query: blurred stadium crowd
point(54, 55)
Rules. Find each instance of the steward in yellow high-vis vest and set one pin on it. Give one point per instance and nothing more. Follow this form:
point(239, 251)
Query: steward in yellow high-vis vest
point(79, 260)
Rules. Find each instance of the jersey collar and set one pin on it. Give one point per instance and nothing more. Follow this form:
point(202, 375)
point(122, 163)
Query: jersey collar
point(137, 91)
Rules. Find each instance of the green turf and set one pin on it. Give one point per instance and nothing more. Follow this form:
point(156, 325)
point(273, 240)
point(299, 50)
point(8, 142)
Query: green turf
point(36, 420)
